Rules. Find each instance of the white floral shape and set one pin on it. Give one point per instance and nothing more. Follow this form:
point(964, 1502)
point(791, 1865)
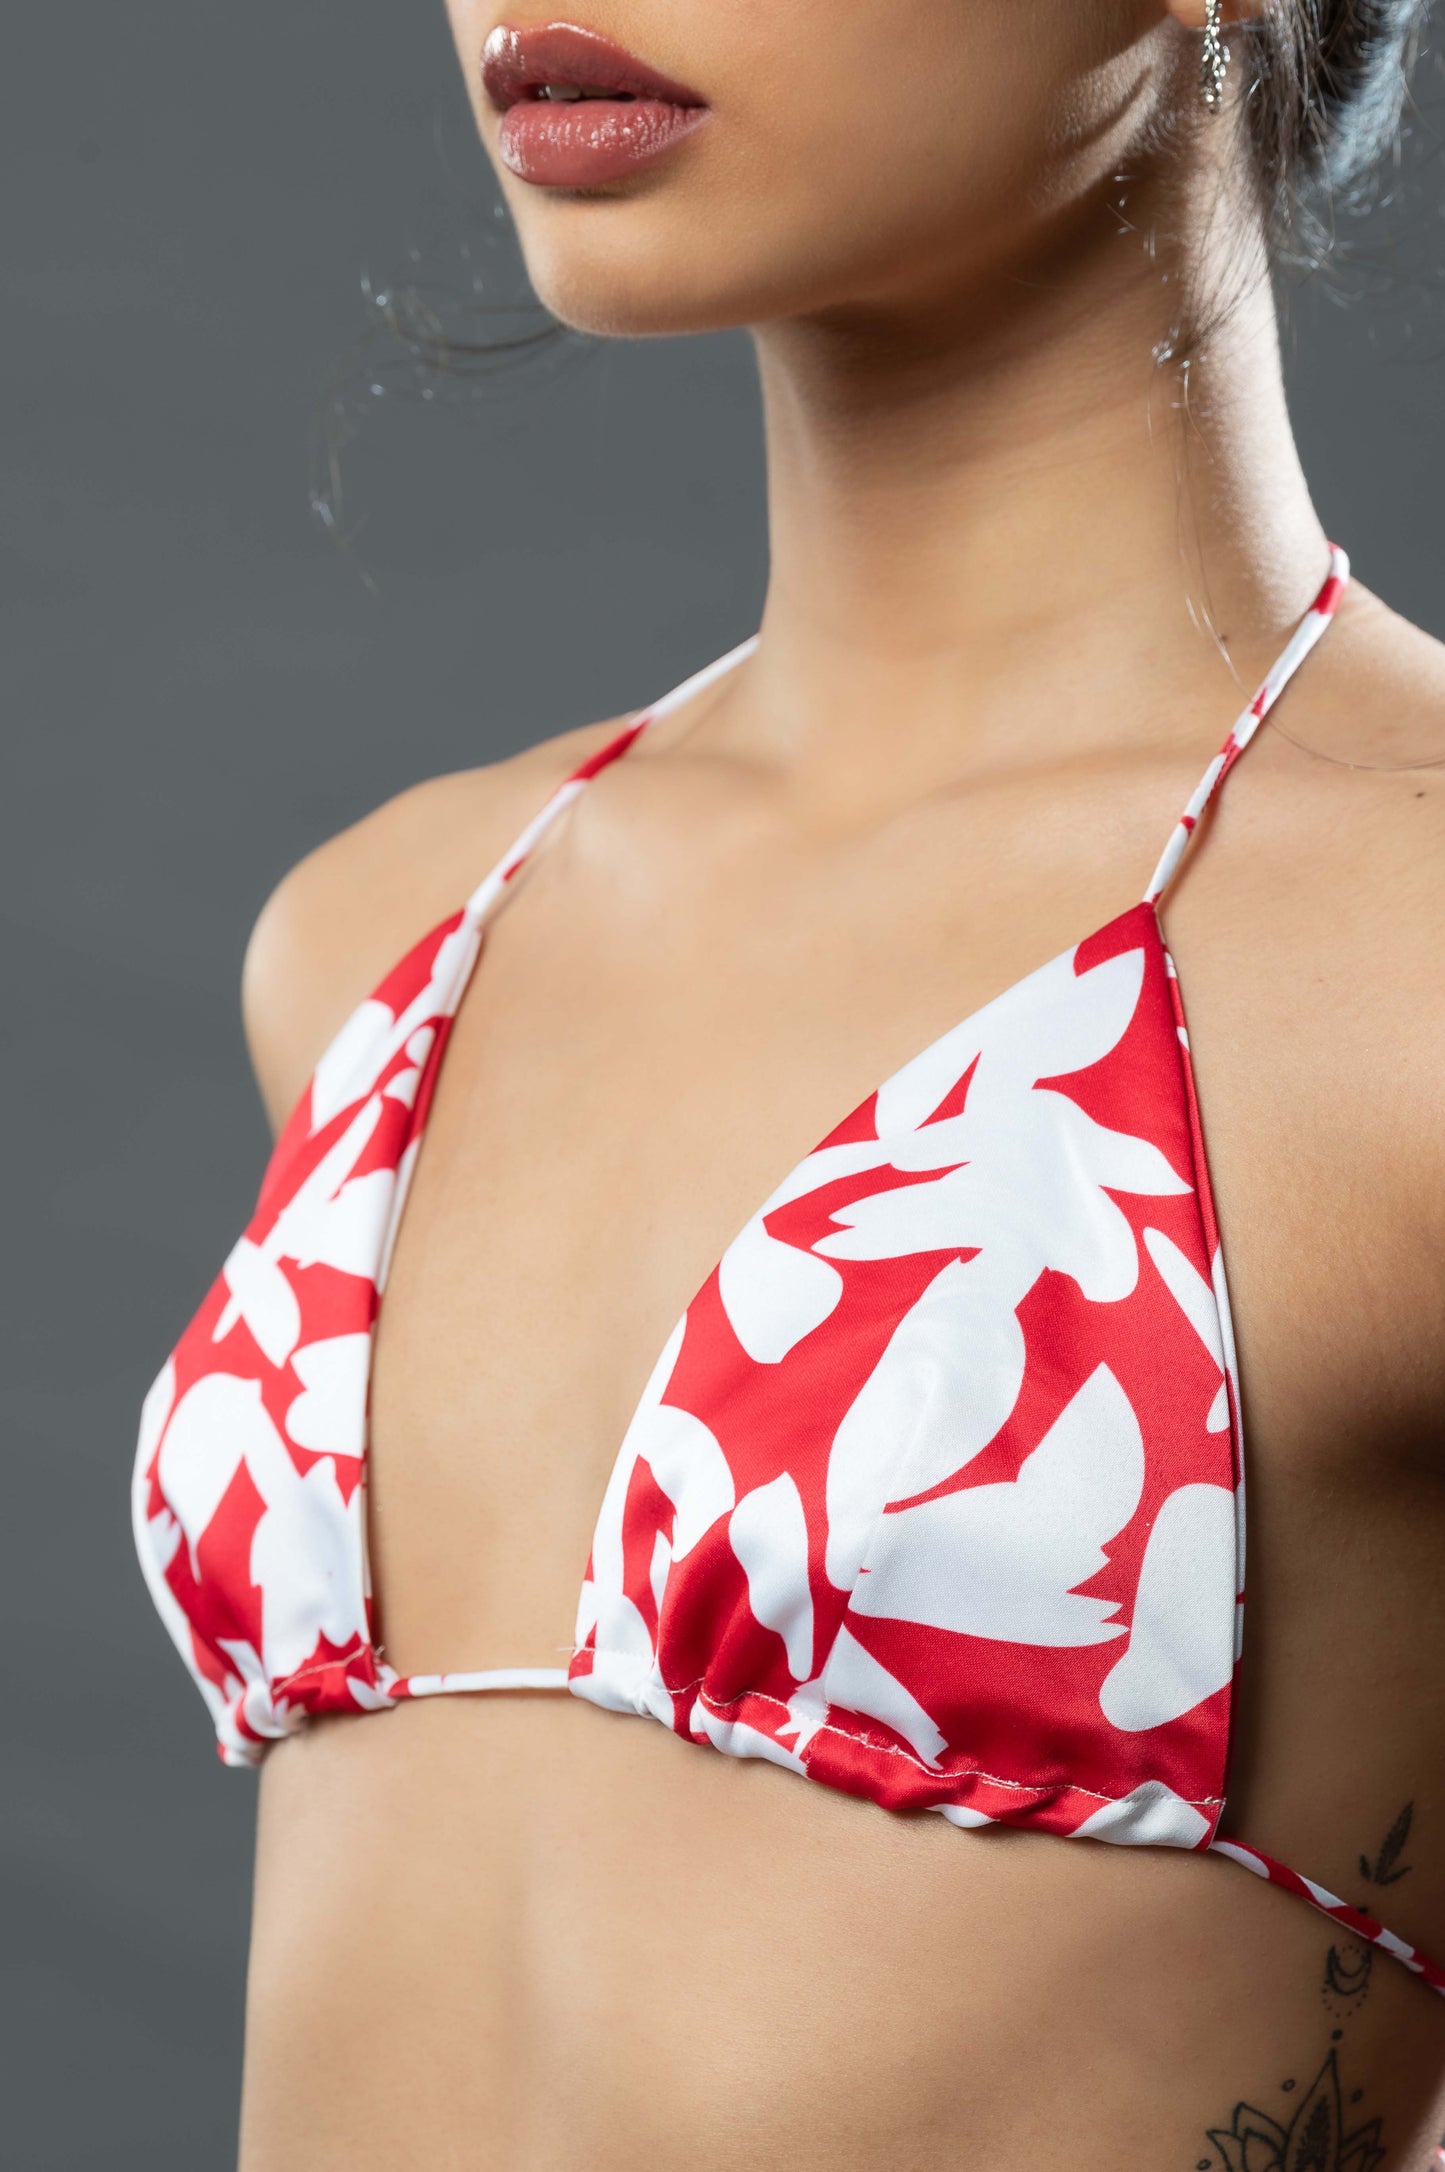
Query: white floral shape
point(305, 1556)
point(347, 1231)
point(1102, 1161)
point(628, 1638)
point(1060, 1020)
point(1027, 1172)
point(691, 1469)
point(218, 1425)
point(856, 1680)
point(1189, 1290)
point(905, 1102)
point(371, 1037)
point(1002, 1560)
point(154, 1412)
point(1150, 1816)
point(946, 1381)
point(774, 1294)
point(354, 1060)
point(332, 1171)
point(403, 1085)
point(1048, 1025)
point(306, 1549)
point(1181, 1643)
point(259, 1291)
point(737, 1739)
point(1031, 1194)
point(157, 1537)
point(807, 1712)
point(329, 1415)
point(685, 1459)
point(1021, 1143)
point(249, 1699)
point(373, 1696)
point(768, 1531)
point(261, 1296)
point(1199, 1304)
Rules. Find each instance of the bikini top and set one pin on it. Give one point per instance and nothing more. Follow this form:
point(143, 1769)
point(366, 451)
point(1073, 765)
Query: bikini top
point(935, 1492)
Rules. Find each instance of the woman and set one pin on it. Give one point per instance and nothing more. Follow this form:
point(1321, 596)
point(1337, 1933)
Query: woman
point(934, 1494)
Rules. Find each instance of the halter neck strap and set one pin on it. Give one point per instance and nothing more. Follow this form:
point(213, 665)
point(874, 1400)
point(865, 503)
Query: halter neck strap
point(517, 854)
point(1309, 630)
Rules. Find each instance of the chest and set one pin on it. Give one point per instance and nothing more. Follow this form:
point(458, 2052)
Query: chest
point(624, 1091)
point(630, 1076)
point(627, 1084)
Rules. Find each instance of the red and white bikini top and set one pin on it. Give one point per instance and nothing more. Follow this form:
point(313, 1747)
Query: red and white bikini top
point(935, 1493)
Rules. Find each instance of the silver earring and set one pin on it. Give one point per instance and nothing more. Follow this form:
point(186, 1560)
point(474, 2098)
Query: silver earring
point(1214, 58)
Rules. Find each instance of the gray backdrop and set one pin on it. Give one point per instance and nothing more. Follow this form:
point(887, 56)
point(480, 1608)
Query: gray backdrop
point(199, 686)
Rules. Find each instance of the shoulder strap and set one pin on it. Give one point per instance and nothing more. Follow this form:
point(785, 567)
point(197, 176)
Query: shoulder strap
point(1309, 630)
point(517, 854)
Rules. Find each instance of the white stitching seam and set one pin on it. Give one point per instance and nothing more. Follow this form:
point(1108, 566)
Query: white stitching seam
point(889, 1749)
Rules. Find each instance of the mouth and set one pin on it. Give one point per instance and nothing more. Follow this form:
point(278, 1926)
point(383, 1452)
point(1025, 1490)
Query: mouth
point(578, 110)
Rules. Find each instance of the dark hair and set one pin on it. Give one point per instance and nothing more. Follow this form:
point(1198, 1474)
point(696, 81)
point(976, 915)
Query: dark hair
point(1324, 87)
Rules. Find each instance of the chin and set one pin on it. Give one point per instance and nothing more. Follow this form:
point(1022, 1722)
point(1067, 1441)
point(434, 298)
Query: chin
point(637, 271)
point(633, 287)
point(610, 306)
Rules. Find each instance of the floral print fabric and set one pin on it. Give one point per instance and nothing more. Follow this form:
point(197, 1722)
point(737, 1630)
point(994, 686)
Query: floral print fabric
point(935, 1494)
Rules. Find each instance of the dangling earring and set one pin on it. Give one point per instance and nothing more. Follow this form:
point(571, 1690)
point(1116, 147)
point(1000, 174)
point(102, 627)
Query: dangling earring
point(1214, 59)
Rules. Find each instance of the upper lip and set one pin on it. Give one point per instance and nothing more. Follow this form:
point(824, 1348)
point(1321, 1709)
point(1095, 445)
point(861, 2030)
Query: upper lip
point(517, 62)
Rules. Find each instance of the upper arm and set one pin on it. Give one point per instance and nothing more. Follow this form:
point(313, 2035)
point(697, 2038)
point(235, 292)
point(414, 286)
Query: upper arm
point(333, 926)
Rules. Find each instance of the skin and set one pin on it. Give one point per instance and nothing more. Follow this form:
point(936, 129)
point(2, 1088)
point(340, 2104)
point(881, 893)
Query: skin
point(1017, 585)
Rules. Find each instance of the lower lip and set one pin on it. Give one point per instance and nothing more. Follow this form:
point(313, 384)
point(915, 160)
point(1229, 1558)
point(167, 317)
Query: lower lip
point(578, 143)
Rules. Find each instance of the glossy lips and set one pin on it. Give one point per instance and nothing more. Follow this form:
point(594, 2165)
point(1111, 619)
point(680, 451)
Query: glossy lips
point(630, 114)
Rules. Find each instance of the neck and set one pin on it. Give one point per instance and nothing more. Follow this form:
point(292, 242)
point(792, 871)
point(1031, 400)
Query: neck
point(999, 520)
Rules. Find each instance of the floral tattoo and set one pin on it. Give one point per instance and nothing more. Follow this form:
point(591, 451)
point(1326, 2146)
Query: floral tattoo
point(1320, 2132)
point(1316, 2139)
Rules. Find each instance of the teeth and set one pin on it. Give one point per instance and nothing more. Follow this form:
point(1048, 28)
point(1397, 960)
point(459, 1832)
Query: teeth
point(569, 93)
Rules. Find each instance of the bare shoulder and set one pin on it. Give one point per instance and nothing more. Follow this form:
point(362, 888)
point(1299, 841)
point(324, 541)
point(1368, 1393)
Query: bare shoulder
point(335, 924)
point(1386, 687)
point(1326, 890)
point(1356, 793)
point(1366, 752)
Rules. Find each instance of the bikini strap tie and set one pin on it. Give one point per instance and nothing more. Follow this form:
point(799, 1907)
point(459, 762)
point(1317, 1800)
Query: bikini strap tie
point(517, 854)
point(1309, 630)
